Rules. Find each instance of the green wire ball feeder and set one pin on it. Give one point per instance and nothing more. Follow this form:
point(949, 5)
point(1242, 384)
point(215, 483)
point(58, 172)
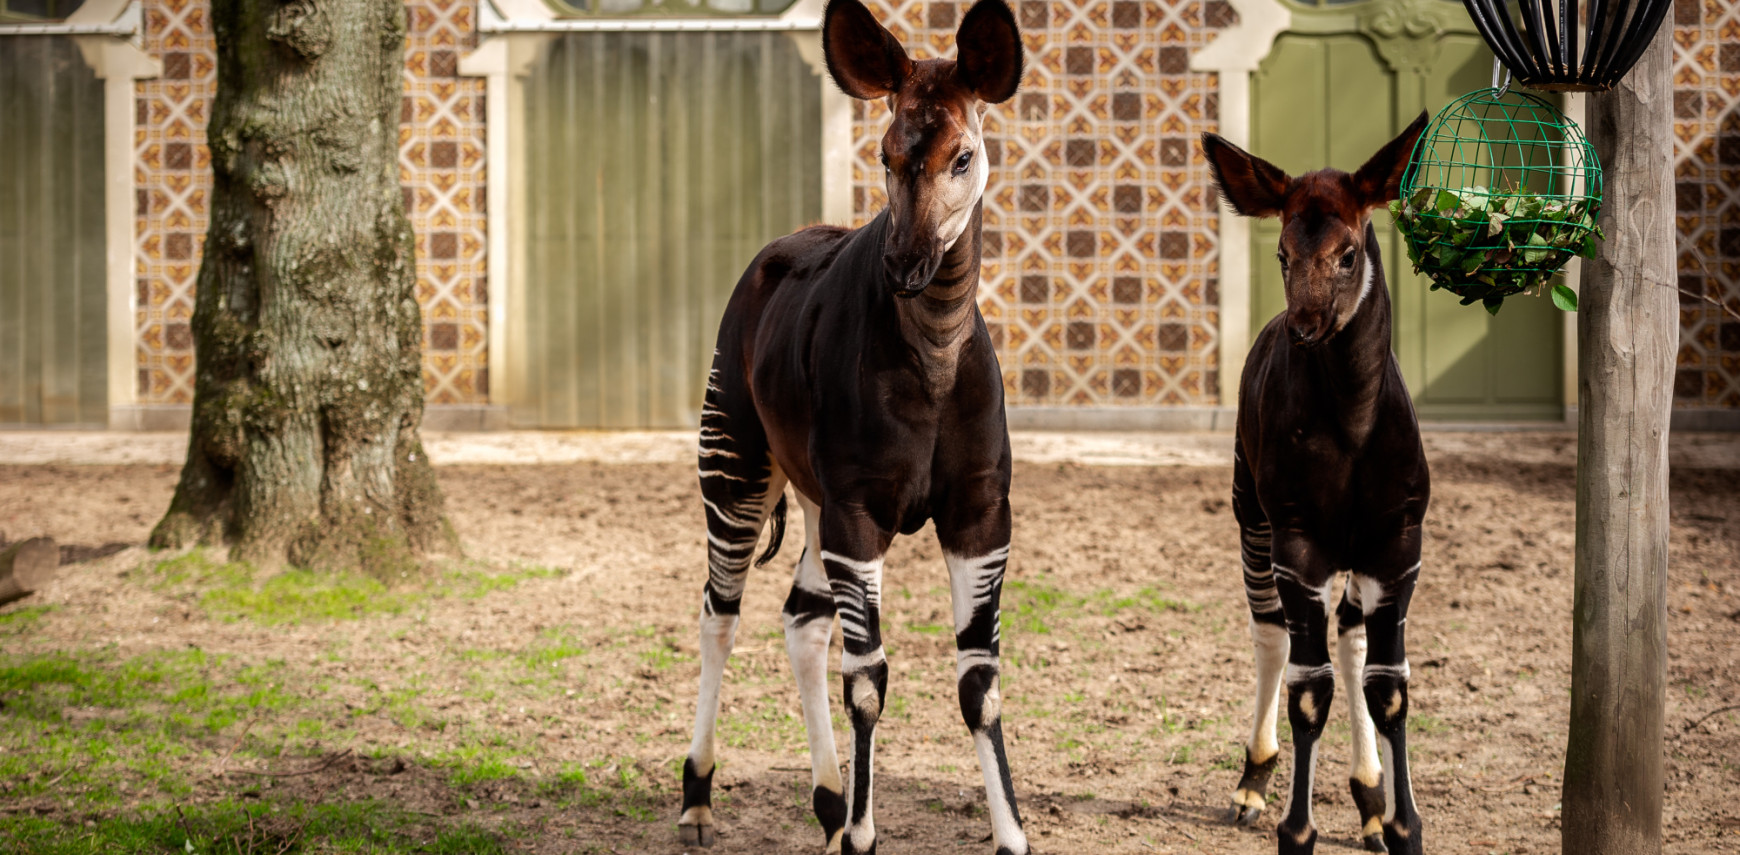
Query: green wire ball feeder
point(1501, 192)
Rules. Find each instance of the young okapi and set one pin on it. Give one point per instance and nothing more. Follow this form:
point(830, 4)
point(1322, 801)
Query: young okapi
point(854, 365)
point(1328, 475)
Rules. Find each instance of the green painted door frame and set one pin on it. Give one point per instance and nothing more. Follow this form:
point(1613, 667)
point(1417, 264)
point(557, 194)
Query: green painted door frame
point(1339, 83)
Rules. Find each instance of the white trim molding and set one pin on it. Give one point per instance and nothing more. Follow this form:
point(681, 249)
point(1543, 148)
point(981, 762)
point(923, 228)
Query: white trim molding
point(1234, 55)
point(106, 34)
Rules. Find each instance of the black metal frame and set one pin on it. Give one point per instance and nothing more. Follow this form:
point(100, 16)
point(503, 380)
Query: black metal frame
point(1544, 54)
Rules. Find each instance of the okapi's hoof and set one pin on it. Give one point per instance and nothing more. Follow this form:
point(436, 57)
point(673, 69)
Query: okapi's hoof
point(1245, 815)
point(695, 835)
point(1375, 842)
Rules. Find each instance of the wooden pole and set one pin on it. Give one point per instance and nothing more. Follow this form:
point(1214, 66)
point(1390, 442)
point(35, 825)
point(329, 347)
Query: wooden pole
point(26, 566)
point(1628, 331)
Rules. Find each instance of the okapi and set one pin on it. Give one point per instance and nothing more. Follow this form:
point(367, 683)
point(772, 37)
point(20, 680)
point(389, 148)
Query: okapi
point(1328, 475)
point(854, 365)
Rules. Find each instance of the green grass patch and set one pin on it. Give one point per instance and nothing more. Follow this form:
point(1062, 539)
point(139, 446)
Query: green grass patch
point(20, 621)
point(233, 591)
point(248, 827)
point(1036, 606)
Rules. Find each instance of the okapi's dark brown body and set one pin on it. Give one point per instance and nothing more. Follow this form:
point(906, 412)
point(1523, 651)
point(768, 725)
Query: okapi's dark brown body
point(854, 365)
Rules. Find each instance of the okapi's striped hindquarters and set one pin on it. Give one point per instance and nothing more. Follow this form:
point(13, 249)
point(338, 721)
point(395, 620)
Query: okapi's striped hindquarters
point(1328, 476)
point(854, 365)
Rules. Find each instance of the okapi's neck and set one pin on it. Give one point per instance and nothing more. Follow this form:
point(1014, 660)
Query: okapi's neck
point(1354, 362)
point(936, 322)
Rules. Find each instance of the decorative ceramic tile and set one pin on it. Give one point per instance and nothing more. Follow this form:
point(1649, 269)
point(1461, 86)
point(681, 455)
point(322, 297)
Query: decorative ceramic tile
point(1100, 232)
point(441, 138)
point(1707, 190)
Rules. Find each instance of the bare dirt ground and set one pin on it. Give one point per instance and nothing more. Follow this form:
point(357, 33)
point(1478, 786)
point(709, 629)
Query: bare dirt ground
point(553, 712)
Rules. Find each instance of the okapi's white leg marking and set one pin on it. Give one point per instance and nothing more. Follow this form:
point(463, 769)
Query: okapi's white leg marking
point(728, 559)
point(852, 615)
point(1374, 595)
point(974, 584)
point(972, 581)
point(806, 644)
point(1366, 768)
point(1260, 591)
point(1271, 643)
point(718, 636)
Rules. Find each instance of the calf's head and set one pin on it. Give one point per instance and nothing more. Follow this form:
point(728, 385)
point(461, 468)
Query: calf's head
point(933, 154)
point(1323, 219)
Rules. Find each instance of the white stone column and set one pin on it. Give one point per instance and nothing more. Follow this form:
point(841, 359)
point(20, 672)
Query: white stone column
point(118, 62)
point(1234, 55)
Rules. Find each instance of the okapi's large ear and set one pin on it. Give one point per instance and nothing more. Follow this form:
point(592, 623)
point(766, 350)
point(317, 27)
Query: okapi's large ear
point(1380, 179)
point(865, 60)
point(988, 51)
point(1253, 186)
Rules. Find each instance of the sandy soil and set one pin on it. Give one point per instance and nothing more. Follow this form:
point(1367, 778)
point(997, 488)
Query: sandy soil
point(1128, 663)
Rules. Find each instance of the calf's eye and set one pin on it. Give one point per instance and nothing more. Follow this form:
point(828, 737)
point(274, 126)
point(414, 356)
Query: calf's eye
point(962, 162)
point(1347, 260)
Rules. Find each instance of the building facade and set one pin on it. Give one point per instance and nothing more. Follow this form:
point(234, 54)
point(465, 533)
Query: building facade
point(587, 181)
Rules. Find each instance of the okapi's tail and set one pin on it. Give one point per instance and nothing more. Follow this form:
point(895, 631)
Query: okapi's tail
point(778, 532)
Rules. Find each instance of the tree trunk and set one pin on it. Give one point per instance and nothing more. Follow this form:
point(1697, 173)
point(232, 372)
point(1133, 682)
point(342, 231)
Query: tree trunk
point(307, 332)
point(1628, 332)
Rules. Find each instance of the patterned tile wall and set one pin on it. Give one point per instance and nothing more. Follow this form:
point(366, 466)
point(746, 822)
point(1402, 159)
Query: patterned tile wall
point(441, 167)
point(1099, 222)
point(1100, 225)
point(1707, 185)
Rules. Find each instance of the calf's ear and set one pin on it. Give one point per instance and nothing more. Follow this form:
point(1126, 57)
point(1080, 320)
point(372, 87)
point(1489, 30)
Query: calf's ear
point(988, 51)
point(865, 60)
point(1253, 186)
point(1380, 179)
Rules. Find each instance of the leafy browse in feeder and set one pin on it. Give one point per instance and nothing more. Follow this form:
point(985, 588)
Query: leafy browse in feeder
point(1486, 247)
point(1502, 191)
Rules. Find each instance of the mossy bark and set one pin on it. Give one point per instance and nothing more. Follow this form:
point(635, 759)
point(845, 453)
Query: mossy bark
point(307, 332)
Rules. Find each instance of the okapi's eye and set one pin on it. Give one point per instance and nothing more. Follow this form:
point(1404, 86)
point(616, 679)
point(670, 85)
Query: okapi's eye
point(1347, 259)
point(962, 162)
point(1282, 257)
point(883, 156)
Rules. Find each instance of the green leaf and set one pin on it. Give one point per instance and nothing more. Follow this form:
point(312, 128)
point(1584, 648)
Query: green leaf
point(1564, 298)
point(1447, 202)
point(1493, 304)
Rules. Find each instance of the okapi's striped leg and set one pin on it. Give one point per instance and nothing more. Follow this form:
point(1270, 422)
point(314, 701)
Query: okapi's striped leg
point(809, 626)
point(1307, 599)
point(1269, 639)
point(1386, 694)
point(740, 488)
point(976, 585)
point(1366, 778)
point(852, 552)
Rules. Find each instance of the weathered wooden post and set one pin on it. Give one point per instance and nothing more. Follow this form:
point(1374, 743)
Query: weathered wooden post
point(1628, 332)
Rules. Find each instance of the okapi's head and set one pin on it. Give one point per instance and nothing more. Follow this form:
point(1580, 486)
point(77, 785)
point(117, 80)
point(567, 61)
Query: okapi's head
point(1323, 219)
point(933, 152)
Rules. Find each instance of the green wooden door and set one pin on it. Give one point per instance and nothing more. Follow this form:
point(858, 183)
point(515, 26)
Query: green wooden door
point(658, 165)
point(53, 336)
point(1344, 82)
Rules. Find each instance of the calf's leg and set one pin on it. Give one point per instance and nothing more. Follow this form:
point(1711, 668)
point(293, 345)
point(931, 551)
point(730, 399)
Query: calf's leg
point(1304, 584)
point(1365, 778)
point(1386, 694)
point(1268, 638)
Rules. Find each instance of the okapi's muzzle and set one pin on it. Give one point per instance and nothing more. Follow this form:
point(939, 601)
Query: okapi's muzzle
point(910, 271)
point(1306, 329)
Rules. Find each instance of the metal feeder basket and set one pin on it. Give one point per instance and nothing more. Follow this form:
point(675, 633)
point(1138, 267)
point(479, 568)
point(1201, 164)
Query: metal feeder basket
point(1502, 190)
